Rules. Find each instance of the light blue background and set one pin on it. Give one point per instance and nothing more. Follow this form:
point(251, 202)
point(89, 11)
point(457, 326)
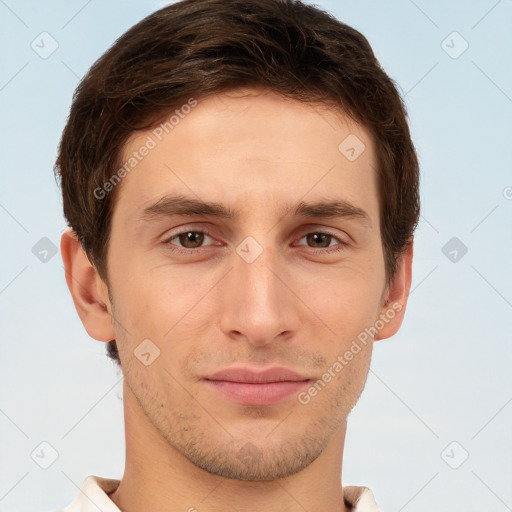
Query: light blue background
point(444, 377)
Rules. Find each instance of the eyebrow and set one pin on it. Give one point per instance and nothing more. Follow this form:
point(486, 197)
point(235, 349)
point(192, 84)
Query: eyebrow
point(168, 206)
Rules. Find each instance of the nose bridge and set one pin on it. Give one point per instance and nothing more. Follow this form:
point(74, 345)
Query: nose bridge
point(257, 303)
point(252, 269)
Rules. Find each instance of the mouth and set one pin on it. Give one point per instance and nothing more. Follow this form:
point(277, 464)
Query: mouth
point(257, 387)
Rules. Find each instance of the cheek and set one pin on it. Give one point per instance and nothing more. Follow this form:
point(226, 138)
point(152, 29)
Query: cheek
point(168, 306)
point(144, 295)
point(346, 300)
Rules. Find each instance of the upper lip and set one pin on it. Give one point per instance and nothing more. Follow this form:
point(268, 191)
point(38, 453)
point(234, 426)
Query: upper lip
point(252, 376)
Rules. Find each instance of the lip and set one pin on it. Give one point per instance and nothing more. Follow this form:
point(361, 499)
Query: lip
point(257, 387)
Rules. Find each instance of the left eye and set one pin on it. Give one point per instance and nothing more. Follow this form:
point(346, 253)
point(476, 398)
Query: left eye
point(323, 239)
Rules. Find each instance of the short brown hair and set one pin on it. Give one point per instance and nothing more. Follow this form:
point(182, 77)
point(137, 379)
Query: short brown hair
point(195, 48)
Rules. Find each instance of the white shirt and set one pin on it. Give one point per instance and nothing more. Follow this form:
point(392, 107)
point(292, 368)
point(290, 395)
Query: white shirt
point(93, 496)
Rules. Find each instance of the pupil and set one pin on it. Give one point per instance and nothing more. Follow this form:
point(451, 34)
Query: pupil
point(321, 238)
point(191, 239)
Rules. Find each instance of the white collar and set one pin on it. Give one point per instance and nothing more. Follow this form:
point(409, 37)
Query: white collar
point(93, 496)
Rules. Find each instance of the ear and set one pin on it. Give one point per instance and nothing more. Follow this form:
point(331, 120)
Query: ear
point(88, 290)
point(395, 297)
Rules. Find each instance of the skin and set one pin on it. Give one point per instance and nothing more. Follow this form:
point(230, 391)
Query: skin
point(187, 446)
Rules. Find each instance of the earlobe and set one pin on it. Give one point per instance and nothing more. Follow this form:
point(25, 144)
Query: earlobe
point(393, 309)
point(87, 289)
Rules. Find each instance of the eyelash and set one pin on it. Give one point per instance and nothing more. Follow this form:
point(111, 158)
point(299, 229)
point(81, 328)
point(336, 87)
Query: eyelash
point(327, 250)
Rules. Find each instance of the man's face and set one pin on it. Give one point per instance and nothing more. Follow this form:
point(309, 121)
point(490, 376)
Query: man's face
point(264, 288)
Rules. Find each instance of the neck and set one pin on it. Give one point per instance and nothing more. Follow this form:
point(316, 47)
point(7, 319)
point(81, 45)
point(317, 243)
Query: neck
point(157, 477)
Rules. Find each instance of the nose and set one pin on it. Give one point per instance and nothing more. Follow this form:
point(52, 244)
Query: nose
point(258, 305)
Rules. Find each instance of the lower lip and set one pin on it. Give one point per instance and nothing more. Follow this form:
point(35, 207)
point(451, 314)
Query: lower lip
point(257, 394)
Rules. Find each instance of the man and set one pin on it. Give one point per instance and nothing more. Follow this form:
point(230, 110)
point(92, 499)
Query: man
point(241, 191)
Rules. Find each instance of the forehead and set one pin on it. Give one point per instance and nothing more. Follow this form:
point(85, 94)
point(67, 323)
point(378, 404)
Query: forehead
point(250, 147)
